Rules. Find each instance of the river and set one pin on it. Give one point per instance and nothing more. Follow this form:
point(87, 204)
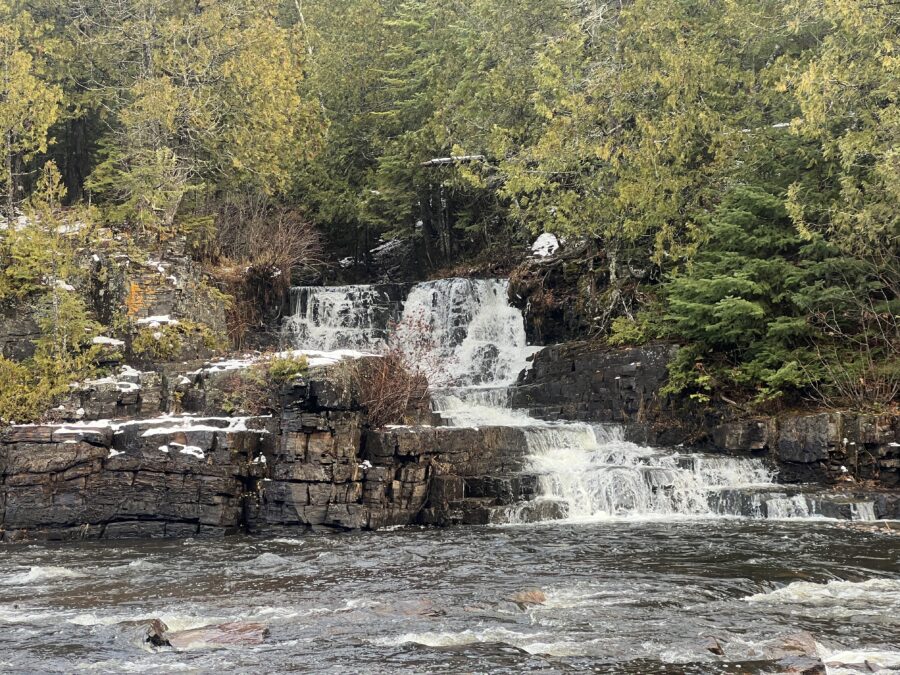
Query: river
point(621, 596)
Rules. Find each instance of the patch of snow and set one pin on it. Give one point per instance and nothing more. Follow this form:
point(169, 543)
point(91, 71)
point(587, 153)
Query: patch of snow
point(545, 245)
point(63, 286)
point(173, 279)
point(387, 247)
point(103, 340)
point(192, 450)
point(69, 228)
point(157, 321)
point(164, 448)
point(114, 453)
point(188, 424)
point(346, 262)
point(366, 464)
point(260, 460)
point(314, 358)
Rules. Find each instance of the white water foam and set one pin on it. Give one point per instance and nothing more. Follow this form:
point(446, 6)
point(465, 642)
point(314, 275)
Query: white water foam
point(873, 594)
point(37, 575)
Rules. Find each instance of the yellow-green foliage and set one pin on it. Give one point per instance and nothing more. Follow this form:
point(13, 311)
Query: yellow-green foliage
point(22, 396)
point(29, 105)
point(158, 344)
point(40, 267)
point(243, 392)
point(628, 331)
point(283, 369)
point(165, 343)
point(215, 104)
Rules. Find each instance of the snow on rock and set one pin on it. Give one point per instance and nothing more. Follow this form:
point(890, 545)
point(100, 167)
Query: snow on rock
point(320, 358)
point(192, 450)
point(314, 358)
point(545, 245)
point(189, 423)
point(387, 247)
point(63, 286)
point(103, 340)
point(157, 321)
point(157, 426)
point(114, 453)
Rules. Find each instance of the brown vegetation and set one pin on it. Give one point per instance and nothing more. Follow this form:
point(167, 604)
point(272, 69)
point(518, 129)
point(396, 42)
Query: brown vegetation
point(389, 388)
point(260, 247)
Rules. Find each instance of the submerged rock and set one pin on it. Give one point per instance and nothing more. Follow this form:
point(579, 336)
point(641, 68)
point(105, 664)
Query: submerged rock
point(798, 653)
point(233, 634)
point(529, 598)
point(144, 632)
point(713, 645)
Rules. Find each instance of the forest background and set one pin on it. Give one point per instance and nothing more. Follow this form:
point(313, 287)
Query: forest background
point(730, 169)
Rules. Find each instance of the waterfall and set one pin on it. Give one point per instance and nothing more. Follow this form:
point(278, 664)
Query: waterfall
point(471, 343)
point(471, 330)
point(341, 317)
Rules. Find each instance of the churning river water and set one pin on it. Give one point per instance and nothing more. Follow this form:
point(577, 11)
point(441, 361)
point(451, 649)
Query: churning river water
point(622, 596)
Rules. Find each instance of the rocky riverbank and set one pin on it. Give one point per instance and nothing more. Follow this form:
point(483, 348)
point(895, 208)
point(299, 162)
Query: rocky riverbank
point(311, 463)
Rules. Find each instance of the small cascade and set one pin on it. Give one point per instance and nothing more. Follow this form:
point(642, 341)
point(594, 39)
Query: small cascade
point(595, 473)
point(472, 332)
point(471, 343)
point(341, 317)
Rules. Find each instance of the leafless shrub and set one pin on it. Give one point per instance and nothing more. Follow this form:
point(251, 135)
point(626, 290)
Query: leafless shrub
point(394, 386)
point(413, 339)
point(860, 356)
point(388, 388)
point(260, 247)
point(860, 369)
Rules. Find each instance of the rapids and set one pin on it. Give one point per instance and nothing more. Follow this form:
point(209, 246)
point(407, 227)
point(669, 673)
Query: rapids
point(621, 596)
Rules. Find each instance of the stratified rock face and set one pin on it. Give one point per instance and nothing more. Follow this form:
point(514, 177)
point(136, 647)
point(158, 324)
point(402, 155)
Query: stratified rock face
point(18, 331)
point(577, 382)
point(163, 477)
point(313, 464)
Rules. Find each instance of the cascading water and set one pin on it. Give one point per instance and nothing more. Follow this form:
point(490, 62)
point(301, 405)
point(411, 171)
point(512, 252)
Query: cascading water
point(341, 317)
point(474, 334)
point(473, 345)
